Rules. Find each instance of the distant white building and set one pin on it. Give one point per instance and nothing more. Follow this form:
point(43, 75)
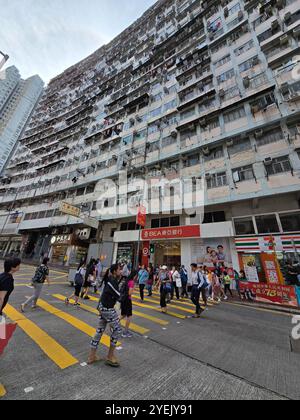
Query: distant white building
point(18, 98)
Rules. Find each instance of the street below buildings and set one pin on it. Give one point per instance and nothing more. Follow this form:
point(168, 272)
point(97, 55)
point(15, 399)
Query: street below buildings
point(231, 352)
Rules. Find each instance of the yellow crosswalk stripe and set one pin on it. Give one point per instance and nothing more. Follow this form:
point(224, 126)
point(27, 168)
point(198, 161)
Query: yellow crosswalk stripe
point(187, 302)
point(153, 308)
point(76, 323)
point(50, 347)
point(2, 391)
point(133, 327)
point(180, 308)
point(141, 315)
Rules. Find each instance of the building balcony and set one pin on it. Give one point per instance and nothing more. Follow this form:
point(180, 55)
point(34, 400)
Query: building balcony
point(218, 193)
point(242, 158)
point(283, 180)
point(248, 187)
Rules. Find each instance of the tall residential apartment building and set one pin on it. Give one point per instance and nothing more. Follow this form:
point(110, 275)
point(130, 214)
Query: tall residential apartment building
point(17, 100)
point(204, 90)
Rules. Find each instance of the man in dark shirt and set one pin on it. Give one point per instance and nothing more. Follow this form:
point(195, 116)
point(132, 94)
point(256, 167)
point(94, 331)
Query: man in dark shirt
point(7, 281)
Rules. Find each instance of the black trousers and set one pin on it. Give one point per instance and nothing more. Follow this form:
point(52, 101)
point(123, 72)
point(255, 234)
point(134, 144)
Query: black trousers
point(196, 298)
point(142, 289)
point(163, 297)
point(184, 290)
point(175, 289)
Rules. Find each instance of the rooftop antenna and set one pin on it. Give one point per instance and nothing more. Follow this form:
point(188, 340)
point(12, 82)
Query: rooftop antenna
point(3, 59)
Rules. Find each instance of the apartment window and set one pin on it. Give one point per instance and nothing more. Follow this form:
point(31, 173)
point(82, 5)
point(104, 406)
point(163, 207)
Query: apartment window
point(169, 141)
point(217, 180)
point(247, 65)
point(235, 9)
point(223, 61)
point(279, 165)
point(153, 128)
point(270, 137)
point(257, 81)
point(214, 217)
point(213, 124)
point(290, 222)
point(244, 226)
point(192, 161)
point(244, 48)
point(267, 224)
point(217, 153)
point(155, 113)
point(140, 135)
point(244, 173)
point(187, 134)
point(188, 114)
point(129, 226)
point(234, 115)
point(170, 105)
point(239, 146)
point(226, 76)
point(173, 221)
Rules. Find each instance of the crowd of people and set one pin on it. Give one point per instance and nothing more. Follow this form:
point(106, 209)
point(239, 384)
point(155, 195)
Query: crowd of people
point(118, 284)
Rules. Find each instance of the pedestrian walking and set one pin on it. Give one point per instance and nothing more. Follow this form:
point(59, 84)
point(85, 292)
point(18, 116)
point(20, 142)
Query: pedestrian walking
point(41, 276)
point(126, 291)
point(227, 284)
point(78, 284)
point(184, 281)
point(108, 316)
point(143, 277)
point(199, 286)
point(151, 280)
point(177, 284)
point(11, 266)
point(90, 279)
point(165, 287)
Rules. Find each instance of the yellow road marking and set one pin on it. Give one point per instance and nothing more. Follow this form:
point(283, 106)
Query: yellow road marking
point(141, 315)
point(171, 306)
point(191, 305)
point(76, 323)
point(153, 308)
point(2, 391)
point(133, 327)
point(50, 347)
point(46, 285)
point(187, 302)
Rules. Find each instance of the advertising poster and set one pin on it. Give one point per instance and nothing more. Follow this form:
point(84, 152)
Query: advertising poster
point(250, 268)
point(210, 252)
point(272, 293)
point(272, 269)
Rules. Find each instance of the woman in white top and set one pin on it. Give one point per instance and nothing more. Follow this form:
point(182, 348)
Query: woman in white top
point(177, 283)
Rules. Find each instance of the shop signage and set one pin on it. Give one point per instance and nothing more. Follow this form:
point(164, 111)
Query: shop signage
point(272, 268)
point(181, 232)
point(250, 268)
point(141, 216)
point(69, 209)
point(258, 244)
point(61, 240)
point(91, 222)
point(272, 293)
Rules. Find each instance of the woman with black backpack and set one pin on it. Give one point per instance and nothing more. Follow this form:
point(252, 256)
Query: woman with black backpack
point(78, 283)
point(126, 290)
point(40, 277)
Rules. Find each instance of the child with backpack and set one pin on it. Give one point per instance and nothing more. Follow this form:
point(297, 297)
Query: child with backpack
point(78, 284)
point(126, 291)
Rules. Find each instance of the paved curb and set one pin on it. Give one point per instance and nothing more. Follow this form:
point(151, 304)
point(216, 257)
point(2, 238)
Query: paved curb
point(284, 309)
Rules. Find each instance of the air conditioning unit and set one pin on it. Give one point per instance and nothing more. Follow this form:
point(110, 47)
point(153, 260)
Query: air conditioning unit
point(208, 177)
point(230, 143)
point(205, 151)
point(296, 32)
point(284, 39)
point(203, 122)
point(268, 161)
point(174, 134)
point(256, 61)
point(255, 108)
point(222, 93)
point(287, 16)
point(285, 88)
point(246, 82)
point(226, 12)
point(259, 134)
point(275, 25)
point(241, 15)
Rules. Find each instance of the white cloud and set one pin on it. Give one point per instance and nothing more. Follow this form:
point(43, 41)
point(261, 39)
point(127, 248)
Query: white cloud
point(45, 37)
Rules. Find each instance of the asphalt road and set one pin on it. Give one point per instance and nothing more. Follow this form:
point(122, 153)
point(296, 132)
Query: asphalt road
point(232, 352)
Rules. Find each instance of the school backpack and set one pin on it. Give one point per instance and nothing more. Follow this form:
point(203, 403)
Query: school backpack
point(40, 275)
point(124, 291)
point(78, 281)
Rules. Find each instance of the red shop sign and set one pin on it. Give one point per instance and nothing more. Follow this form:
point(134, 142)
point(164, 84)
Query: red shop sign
point(172, 233)
point(141, 216)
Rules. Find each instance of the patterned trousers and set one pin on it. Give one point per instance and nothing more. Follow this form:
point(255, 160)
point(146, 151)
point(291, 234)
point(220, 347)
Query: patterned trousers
point(111, 318)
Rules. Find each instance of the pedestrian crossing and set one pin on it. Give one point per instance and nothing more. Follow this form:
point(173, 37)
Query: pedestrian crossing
point(143, 311)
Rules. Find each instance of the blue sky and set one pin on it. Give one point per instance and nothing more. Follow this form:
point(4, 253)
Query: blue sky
point(46, 36)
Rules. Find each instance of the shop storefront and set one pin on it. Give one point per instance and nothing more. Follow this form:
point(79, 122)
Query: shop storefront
point(265, 262)
point(202, 244)
point(10, 246)
point(68, 250)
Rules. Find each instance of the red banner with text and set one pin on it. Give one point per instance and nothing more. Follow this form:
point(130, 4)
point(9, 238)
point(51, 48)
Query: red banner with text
point(272, 293)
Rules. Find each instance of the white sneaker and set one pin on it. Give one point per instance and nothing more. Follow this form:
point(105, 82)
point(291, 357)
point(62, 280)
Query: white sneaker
point(225, 298)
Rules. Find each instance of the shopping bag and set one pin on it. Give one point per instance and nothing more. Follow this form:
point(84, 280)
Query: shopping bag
point(6, 332)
